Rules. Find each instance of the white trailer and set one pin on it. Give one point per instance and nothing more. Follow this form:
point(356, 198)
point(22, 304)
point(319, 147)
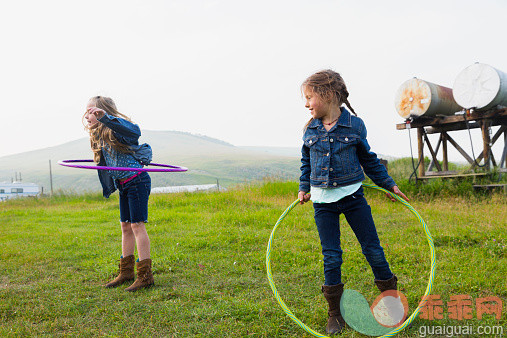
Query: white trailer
point(17, 189)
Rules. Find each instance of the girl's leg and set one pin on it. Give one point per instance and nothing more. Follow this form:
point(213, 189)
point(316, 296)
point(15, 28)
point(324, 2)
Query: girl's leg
point(144, 273)
point(127, 235)
point(128, 241)
point(142, 240)
point(327, 218)
point(138, 194)
point(127, 260)
point(358, 215)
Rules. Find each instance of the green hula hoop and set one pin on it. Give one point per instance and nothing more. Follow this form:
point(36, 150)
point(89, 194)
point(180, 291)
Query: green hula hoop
point(408, 320)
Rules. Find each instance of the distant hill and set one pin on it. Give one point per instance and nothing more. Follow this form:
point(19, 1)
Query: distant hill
point(208, 159)
point(279, 151)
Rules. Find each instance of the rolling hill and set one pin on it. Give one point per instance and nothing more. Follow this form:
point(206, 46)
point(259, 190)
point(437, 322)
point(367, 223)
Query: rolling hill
point(208, 159)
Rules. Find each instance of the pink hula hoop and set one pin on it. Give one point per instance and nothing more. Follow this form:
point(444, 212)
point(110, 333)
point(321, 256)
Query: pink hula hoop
point(165, 167)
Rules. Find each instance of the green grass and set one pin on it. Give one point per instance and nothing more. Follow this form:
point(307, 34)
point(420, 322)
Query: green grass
point(208, 253)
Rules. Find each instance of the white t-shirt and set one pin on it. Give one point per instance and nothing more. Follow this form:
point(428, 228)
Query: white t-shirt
point(330, 195)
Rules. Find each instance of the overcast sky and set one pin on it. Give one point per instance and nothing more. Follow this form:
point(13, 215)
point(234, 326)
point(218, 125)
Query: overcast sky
point(229, 69)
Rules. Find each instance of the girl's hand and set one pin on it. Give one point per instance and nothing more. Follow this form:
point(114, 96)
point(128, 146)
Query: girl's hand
point(398, 192)
point(303, 197)
point(97, 112)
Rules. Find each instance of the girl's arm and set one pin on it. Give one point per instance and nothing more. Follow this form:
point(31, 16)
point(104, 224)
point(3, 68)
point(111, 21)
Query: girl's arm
point(371, 164)
point(304, 179)
point(374, 169)
point(118, 125)
point(121, 126)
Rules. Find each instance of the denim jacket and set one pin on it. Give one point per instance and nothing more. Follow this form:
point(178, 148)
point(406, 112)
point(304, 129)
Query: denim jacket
point(127, 133)
point(334, 158)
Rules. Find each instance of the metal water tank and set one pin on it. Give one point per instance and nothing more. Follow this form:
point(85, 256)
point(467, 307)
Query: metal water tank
point(481, 87)
point(417, 97)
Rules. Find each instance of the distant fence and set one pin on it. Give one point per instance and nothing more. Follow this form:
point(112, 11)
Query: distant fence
point(185, 188)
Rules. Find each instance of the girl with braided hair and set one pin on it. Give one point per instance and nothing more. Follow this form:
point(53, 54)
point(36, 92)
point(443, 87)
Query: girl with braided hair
point(334, 154)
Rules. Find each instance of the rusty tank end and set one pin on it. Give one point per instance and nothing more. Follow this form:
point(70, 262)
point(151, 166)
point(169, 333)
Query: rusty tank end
point(417, 97)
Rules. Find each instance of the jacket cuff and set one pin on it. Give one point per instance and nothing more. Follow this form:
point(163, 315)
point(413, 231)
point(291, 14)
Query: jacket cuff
point(304, 186)
point(388, 183)
point(104, 117)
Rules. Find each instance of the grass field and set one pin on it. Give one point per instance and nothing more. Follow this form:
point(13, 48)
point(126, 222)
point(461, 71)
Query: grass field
point(208, 252)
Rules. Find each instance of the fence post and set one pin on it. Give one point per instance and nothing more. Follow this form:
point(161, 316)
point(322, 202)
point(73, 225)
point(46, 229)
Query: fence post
point(50, 178)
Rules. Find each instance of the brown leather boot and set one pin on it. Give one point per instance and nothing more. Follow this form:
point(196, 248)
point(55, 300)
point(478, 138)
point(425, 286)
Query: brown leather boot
point(388, 284)
point(125, 272)
point(144, 276)
point(333, 294)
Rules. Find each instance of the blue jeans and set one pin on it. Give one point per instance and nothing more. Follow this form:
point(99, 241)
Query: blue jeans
point(134, 196)
point(358, 215)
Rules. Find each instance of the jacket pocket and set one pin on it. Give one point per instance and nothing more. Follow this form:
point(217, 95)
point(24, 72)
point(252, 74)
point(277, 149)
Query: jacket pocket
point(347, 150)
point(311, 141)
point(347, 139)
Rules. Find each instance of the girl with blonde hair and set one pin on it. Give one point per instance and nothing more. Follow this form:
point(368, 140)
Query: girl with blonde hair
point(114, 142)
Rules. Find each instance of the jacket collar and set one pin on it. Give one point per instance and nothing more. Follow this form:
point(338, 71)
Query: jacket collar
point(344, 120)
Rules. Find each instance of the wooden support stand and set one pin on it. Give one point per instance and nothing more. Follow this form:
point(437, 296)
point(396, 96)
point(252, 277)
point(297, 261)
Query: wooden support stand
point(467, 120)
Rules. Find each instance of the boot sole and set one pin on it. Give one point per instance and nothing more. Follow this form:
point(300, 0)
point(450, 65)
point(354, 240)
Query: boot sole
point(142, 287)
point(107, 286)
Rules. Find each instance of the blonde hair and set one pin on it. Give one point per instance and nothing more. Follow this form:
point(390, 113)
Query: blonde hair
point(102, 135)
point(329, 86)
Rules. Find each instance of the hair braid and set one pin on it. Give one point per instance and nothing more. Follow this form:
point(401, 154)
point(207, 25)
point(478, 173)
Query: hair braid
point(349, 106)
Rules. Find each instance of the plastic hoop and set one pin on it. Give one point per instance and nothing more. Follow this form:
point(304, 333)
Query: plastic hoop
point(166, 167)
point(408, 320)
